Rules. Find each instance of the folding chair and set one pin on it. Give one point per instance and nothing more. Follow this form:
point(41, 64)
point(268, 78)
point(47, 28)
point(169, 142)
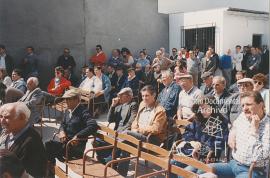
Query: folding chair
point(89, 167)
point(157, 156)
point(134, 149)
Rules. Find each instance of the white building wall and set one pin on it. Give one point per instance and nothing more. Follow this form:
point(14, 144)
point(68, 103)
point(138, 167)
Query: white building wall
point(239, 28)
point(178, 6)
point(196, 20)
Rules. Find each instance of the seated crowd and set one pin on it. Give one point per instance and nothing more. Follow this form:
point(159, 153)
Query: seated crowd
point(224, 102)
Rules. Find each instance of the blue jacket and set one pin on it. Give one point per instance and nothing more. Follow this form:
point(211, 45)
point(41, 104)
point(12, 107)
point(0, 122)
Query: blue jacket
point(168, 98)
point(106, 86)
point(225, 62)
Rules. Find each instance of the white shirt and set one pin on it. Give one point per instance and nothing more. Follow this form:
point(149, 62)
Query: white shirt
point(2, 62)
point(187, 99)
point(237, 61)
point(249, 147)
point(93, 84)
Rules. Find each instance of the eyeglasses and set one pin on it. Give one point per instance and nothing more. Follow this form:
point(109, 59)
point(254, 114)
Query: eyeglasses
point(245, 85)
point(174, 51)
point(257, 82)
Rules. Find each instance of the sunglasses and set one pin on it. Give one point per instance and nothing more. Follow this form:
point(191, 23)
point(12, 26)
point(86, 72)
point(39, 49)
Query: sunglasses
point(257, 82)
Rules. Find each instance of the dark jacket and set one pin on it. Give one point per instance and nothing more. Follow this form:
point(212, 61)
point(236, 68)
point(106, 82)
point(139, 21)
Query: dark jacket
point(149, 78)
point(205, 89)
point(168, 98)
point(133, 84)
point(197, 131)
point(80, 123)
point(9, 64)
point(222, 98)
point(232, 108)
point(211, 65)
point(123, 118)
point(65, 63)
point(30, 150)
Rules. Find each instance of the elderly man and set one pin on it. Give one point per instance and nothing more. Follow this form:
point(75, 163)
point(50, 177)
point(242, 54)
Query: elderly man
point(168, 97)
point(163, 61)
point(207, 86)
point(77, 123)
point(238, 76)
point(20, 138)
point(219, 93)
point(188, 96)
point(122, 112)
point(249, 140)
point(32, 98)
point(232, 107)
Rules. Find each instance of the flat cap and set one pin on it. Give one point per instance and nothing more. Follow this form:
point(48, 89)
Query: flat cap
point(206, 74)
point(182, 75)
point(131, 69)
point(72, 93)
point(246, 80)
point(125, 90)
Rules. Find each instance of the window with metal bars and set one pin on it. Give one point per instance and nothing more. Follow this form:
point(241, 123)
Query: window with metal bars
point(200, 37)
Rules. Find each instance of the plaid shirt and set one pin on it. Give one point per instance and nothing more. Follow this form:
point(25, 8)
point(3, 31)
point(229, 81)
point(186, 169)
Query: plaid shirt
point(249, 147)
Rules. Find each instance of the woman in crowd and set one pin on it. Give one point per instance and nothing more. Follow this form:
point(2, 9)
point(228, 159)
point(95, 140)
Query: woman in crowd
point(58, 84)
point(205, 138)
point(127, 57)
point(4, 78)
point(260, 81)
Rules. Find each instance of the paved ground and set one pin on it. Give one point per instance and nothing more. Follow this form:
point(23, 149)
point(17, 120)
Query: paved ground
point(51, 126)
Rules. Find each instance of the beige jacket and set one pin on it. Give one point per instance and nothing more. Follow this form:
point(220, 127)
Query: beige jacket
point(158, 124)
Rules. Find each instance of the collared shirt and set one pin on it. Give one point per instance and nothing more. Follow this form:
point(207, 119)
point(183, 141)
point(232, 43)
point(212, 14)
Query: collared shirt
point(7, 140)
point(249, 147)
point(143, 62)
point(145, 117)
point(93, 84)
point(71, 111)
point(2, 62)
point(187, 99)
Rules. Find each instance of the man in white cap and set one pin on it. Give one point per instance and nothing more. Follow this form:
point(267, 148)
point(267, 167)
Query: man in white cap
point(188, 96)
point(122, 112)
point(232, 107)
point(77, 123)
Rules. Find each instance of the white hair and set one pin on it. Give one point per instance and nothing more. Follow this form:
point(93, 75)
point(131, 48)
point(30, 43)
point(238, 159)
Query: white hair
point(220, 79)
point(158, 52)
point(20, 108)
point(34, 79)
point(167, 73)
